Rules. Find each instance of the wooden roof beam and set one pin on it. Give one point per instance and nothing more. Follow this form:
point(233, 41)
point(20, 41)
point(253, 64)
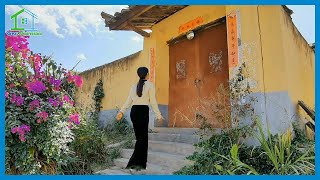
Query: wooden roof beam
point(137, 30)
point(135, 12)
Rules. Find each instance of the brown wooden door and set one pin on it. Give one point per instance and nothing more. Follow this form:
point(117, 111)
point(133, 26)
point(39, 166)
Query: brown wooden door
point(197, 68)
point(182, 94)
point(213, 65)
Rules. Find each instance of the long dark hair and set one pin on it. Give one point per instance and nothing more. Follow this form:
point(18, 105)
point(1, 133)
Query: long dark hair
point(142, 73)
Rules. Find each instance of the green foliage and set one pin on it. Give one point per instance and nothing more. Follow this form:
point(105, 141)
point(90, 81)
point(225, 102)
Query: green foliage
point(208, 159)
point(224, 154)
point(98, 94)
point(284, 158)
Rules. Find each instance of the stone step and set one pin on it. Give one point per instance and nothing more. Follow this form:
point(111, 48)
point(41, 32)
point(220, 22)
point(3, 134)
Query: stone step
point(151, 168)
point(112, 172)
point(171, 147)
point(174, 161)
point(180, 138)
point(190, 131)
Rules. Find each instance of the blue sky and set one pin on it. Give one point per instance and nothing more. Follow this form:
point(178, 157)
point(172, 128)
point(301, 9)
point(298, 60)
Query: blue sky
point(71, 33)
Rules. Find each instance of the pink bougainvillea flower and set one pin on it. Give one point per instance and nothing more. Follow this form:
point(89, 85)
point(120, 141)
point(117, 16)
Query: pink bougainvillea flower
point(78, 81)
point(21, 130)
point(16, 43)
point(24, 54)
point(42, 116)
point(18, 100)
point(6, 94)
point(74, 79)
point(22, 138)
point(36, 61)
point(36, 87)
point(66, 98)
point(11, 85)
point(34, 104)
point(14, 130)
point(26, 128)
point(74, 118)
point(13, 99)
point(56, 83)
point(54, 102)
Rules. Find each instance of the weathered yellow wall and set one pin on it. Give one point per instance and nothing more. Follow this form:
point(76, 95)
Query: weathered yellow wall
point(282, 59)
point(300, 61)
point(250, 47)
point(117, 77)
point(168, 29)
point(287, 57)
point(277, 56)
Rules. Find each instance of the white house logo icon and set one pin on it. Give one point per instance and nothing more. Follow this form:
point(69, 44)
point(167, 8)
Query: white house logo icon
point(24, 24)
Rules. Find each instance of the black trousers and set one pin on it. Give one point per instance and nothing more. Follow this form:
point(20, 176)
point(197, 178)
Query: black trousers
point(140, 119)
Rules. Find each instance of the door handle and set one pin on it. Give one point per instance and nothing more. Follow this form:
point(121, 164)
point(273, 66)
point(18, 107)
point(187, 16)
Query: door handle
point(197, 81)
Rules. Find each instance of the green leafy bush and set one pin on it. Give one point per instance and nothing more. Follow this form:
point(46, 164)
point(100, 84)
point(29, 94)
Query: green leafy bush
point(225, 154)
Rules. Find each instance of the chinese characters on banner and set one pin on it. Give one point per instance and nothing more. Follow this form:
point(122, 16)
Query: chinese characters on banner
point(190, 25)
point(232, 25)
point(152, 65)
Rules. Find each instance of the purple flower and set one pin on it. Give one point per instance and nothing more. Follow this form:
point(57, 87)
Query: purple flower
point(54, 102)
point(26, 128)
point(55, 82)
point(36, 87)
point(18, 100)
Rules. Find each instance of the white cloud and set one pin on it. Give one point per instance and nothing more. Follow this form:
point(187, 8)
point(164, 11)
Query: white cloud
point(136, 39)
point(81, 57)
point(73, 20)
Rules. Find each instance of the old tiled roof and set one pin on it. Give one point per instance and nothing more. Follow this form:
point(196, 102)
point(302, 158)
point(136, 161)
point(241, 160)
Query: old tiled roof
point(142, 17)
point(139, 18)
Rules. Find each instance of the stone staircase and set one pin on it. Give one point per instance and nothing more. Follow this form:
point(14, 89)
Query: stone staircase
point(168, 149)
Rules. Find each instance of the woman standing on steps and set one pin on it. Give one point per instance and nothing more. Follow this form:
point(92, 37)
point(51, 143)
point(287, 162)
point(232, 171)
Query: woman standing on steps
point(140, 96)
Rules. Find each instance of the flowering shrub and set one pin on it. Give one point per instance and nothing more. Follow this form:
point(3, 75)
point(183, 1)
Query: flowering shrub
point(40, 112)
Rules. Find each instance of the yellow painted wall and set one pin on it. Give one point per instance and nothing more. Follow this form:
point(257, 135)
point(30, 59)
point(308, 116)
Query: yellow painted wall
point(300, 61)
point(118, 77)
point(277, 56)
point(282, 55)
point(250, 45)
point(289, 62)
